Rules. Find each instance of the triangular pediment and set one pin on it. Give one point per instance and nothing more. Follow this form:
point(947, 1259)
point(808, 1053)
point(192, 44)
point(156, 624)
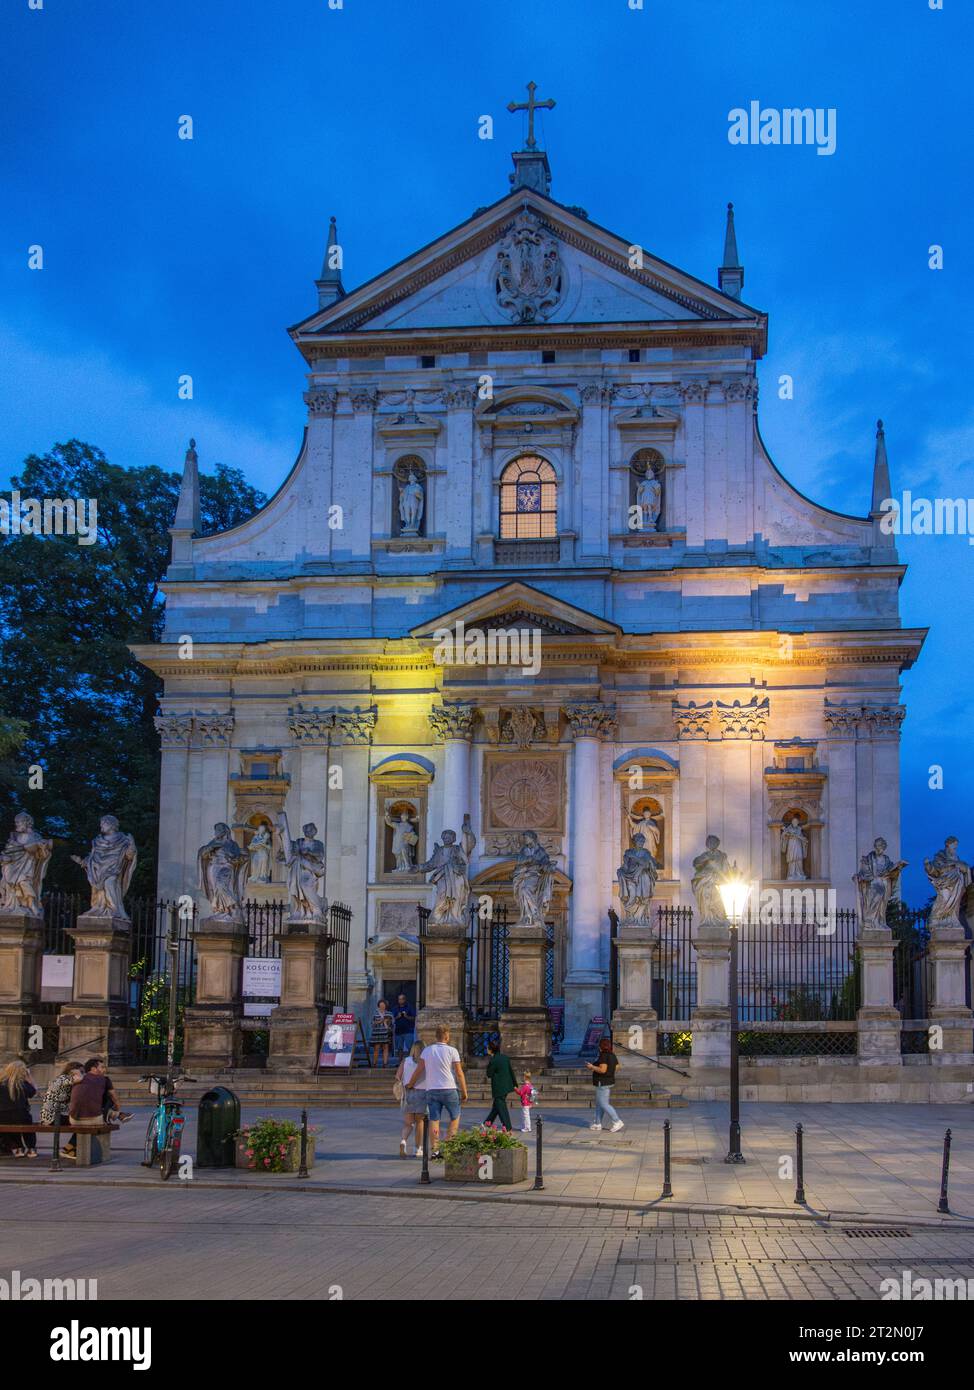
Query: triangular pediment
point(527, 261)
point(519, 605)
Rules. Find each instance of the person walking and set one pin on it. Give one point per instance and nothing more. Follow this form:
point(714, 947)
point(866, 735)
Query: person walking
point(603, 1077)
point(382, 1033)
point(405, 1025)
point(528, 1096)
point(440, 1070)
point(16, 1092)
point(500, 1074)
point(412, 1102)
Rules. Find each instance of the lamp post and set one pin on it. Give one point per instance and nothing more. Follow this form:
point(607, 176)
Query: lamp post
point(734, 892)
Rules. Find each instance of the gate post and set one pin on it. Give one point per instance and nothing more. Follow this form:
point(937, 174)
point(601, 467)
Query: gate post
point(525, 1024)
point(710, 1020)
point(21, 950)
point(444, 964)
point(296, 1021)
point(878, 1020)
point(634, 1019)
point(97, 1021)
point(212, 1037)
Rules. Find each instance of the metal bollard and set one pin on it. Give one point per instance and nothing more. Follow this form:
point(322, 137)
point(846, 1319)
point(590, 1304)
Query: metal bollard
point(538, 1175)
point(944, 1172)
point(799, 1166)
point(424, 1175)
point(303, 1169)
point(667, 1185)
point(56, 1155)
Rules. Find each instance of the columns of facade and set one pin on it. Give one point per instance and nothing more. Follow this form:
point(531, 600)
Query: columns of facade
point(589, 723)
point(841, 727)
point(356, 531)
point(318, 473)
point(353, 734)
point(694, 395)
point(593, 516)
point(452, 722)
point(208, 785)
point(175, 732)
point(456, 491)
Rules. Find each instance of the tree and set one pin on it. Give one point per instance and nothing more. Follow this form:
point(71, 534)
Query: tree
point(67, 615)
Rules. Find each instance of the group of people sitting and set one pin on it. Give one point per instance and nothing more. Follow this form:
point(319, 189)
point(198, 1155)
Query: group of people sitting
point(80, 1094)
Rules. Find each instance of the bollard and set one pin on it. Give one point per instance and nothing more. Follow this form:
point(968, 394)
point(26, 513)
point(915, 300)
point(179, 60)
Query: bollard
point(303, 1169)
point(424, 1175)
point(944, 1171)
point(667, 1185)
point(56, 1155)
point(799, 1166)
point(538, 1176)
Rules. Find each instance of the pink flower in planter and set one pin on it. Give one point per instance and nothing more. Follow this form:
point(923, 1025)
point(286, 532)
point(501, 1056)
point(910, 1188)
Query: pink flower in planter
point(250, 1153)
point(267, 1163)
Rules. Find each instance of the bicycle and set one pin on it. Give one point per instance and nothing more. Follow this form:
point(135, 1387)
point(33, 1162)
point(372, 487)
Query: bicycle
point(164, 1136)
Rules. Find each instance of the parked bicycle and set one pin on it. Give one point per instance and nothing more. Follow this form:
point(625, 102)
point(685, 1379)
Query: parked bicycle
point(164, 1136)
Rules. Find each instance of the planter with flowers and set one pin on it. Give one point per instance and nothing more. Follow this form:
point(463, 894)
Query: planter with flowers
point(485, 1154)
point(273, 1146)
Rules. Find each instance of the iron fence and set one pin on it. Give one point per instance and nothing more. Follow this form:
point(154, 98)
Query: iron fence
point(799, 969)
point(486, 965)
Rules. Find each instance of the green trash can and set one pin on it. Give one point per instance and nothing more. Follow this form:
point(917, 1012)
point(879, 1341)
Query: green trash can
point(217, 1120)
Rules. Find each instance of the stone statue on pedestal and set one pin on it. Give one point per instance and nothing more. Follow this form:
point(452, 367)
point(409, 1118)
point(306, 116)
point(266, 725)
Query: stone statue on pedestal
point(223, 868)
point(404, 842)
point(533, 879)
point(448, 867)
point(411, 503)
point(876, 881)
point(23, 864)
point(794, 842)
point(109, 866)
point(951, 878)
point(711, 869)
point(649, 500)
point(304, 862)
point(259, 851)
point(646, 825)
point(636, 877)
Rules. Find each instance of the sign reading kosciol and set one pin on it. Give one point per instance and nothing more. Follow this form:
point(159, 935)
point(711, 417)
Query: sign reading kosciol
point(261, 977)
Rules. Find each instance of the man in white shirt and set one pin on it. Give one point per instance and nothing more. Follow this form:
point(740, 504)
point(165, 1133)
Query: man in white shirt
point(440, 1072)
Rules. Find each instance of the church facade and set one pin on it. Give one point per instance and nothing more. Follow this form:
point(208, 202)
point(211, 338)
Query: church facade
point(534, 564)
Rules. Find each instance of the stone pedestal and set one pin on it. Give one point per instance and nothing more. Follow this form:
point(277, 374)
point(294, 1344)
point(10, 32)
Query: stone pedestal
point(879, 1021)
point(213, 1038)
point(21, 948)
point(947, 1008)
point(297, 1021)
point(445, 952)
point(97, 1023)
point(710, 1020)
point(634, 1019)
point(525, 1024)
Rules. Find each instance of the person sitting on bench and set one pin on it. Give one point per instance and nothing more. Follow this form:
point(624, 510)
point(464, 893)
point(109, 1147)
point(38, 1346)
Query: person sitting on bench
point(16, 1091)
point(88, 1097)
point(57, 1097)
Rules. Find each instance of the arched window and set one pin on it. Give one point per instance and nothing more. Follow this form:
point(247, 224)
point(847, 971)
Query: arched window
point(409, 505)
point(646, 498)
point(529, 500)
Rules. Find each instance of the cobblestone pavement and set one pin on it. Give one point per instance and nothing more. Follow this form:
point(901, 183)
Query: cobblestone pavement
point(188, 1242)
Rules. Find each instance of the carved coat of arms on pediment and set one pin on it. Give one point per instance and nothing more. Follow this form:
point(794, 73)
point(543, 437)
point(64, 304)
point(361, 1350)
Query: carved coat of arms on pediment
point(529, 275)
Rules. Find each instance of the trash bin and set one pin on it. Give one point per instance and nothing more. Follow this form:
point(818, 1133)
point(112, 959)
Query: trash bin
point(217, 1120)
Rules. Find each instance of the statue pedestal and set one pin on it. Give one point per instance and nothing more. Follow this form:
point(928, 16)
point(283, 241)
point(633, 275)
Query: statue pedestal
point(297, 1021)
point(97, 1022)
point(444, 959)
point(21, 949)
point(212, 1035)
point(634, 1019)
point(710, 1020)
point(947, 1008)
point(525, 1024)
point(879, 1022)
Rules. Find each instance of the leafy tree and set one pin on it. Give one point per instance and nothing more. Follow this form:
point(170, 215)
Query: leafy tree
point(67, 615)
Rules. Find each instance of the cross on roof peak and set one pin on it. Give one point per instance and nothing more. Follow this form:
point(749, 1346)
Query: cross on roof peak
point(530, 106)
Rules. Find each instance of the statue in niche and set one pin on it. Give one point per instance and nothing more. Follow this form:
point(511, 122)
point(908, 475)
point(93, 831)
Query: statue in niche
point(636, 877)
point(448, 867)
point(259, 850)
point(649, 500)
point(304, 863)
point(223, 869)
point(950, 878)
point(644, 823)
point(711, 869)
point(23, 864)
point(404, 840)
point(411, 503)
point(875, 883)
point(533, 880)
point(109, 866)
point(794, 843)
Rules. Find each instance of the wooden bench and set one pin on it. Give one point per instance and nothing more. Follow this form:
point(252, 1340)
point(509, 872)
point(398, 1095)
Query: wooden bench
point(94, 1142)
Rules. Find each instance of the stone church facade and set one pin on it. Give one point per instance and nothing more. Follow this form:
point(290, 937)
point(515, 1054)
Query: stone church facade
point(533, 563)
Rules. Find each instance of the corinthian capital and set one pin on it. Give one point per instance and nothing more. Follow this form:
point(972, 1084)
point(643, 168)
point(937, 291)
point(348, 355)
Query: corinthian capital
point(744, 721)
point(321, 401)
point(842, 720)
point(692, 720)
point(365, 398)
point(591, 719)
point(356, 725)
point(883, 721)
point(453, 719)
point(693, 392)
point(460, 397)
point(214, 729)
point(310, 725)
point(174, 730)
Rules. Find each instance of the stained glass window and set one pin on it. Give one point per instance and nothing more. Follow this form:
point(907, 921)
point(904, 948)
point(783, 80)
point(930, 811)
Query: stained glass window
point(529, 499)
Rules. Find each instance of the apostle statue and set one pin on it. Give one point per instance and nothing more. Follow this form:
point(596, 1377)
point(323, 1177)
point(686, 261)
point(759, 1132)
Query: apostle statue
point(794, 842)
point(23, 864)
point(951, 878)
point(223, 868)
point(533, 880)
point(411, 503)
point(109, 866)
point(646, 825)
point(404, 841)
point(649, 500)
point(711, 869)
point(259, 851)
point(876, 882)
point(448, 867)
point(304, 862)
point(636, 877)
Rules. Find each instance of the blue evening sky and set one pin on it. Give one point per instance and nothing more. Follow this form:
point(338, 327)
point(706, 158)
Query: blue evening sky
point(164, 256)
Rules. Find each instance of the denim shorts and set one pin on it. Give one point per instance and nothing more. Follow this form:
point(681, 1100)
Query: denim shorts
point(438, 1101)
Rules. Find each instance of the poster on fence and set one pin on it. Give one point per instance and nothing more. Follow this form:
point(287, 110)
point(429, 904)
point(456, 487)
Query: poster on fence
point(337, 1041)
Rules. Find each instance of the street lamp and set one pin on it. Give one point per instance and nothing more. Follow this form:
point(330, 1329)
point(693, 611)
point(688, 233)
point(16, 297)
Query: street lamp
point(734, 892)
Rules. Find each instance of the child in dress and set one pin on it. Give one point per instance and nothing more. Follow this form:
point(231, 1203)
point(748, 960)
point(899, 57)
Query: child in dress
point(528, 1096)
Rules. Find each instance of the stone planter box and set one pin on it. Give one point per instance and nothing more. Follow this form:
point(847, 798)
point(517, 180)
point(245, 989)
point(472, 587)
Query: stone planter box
point(292, 1161)
point(507, 1166)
